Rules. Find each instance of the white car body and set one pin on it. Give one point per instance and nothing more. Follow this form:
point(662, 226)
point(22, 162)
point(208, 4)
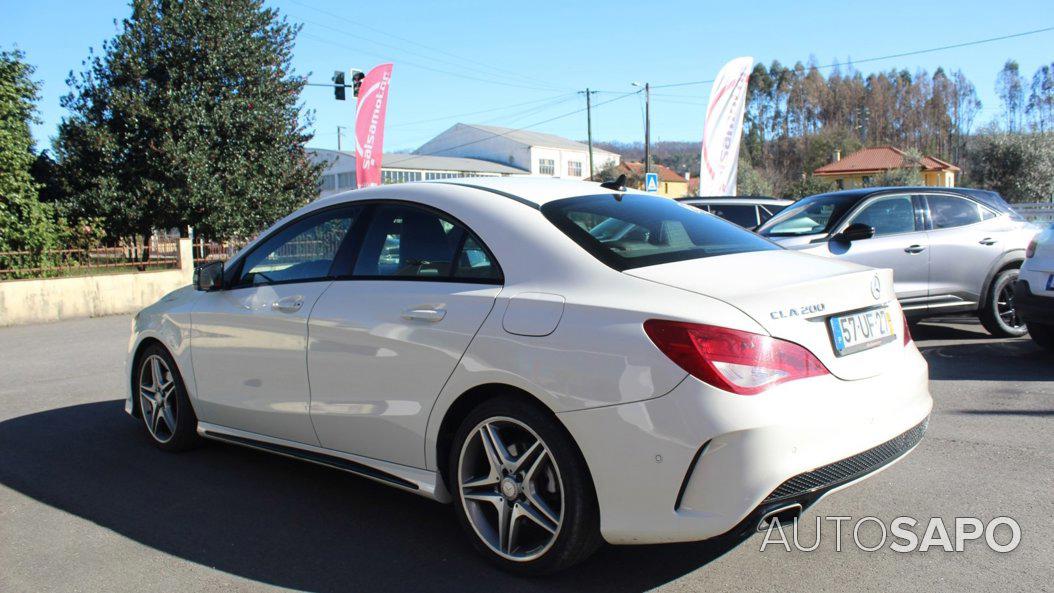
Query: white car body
point(672, 458)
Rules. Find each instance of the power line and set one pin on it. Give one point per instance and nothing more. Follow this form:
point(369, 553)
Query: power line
point(491, 110)
point(520, 79)
point(405, 40)
point(891, 56)
point(421, 66)
point(492, 135)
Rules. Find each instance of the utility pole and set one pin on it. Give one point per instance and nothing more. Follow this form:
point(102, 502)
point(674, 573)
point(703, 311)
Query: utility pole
point(647, 129)
point(340, 130)
point(647, 126)
point(589, 129)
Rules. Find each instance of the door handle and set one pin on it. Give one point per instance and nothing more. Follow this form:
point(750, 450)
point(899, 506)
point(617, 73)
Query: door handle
point(988, 241)
point(914, 249)
point(288, 304)
point(424, 314)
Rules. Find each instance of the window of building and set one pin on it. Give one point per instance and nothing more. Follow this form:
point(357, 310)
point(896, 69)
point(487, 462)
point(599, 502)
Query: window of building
point(389, 176)
point(327, 183)
point(345, 180)
point(441, 175)
point(574, 168)
point(546, 167)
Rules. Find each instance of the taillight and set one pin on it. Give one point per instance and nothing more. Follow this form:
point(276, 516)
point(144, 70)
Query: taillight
point(733, 360)
point(1031, 249)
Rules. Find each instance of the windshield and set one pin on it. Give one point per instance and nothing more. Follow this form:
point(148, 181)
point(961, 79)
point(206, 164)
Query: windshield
point(810, 216)
point(632, 231)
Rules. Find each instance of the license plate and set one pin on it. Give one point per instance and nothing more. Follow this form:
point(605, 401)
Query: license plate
point(1050, 282)
point(861, 331)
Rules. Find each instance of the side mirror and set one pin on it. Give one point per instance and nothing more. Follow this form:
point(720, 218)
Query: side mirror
point(855, 232)
point(209, 276)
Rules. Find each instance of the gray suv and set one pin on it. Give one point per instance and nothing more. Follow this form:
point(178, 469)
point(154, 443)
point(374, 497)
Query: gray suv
point(952, 250)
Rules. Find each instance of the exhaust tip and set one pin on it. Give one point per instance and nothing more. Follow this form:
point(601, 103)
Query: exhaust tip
point(785, 514)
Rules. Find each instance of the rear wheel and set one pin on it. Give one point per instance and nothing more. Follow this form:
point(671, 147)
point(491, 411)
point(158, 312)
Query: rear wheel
point(163, 403)
point(999, 315)
point(1042, 335)
point(522, 490)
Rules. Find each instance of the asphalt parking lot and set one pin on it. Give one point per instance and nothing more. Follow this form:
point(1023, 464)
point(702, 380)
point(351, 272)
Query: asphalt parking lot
point(87, 504)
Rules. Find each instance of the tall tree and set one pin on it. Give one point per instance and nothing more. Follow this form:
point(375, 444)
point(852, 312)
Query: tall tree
point(1011, 90)
point(26, 224)
point(1041, 100)
point(189, 116)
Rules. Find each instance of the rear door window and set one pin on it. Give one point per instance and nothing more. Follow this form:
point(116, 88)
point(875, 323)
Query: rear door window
point(745, 215)
point(948, 212)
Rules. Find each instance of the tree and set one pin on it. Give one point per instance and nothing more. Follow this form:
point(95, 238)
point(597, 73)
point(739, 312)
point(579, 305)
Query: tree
point(1011, 90)
point(1020, 166)
point(189, 116)
point(26, 224)
point(1041, 100)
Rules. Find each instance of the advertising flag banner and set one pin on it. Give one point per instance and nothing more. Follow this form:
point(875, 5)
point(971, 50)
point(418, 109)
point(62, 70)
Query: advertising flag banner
point(369, 125)
point(723, 129)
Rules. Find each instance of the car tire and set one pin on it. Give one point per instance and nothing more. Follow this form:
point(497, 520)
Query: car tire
point(1042, 335)
point(998, 315)
point(164, 408)
point(511, 458)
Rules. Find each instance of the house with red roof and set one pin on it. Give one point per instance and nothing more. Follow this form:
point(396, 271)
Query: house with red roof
point(671, 184)
point(862, 167)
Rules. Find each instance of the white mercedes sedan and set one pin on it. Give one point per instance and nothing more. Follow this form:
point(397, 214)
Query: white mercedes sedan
point(567, 363)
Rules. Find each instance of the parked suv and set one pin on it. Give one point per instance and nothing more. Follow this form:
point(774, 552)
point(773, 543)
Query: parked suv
point(1034, 289)
point(953, 250)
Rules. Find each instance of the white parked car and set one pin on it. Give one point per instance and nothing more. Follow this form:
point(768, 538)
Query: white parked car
point(474, 341)
point(1034, 289)
point(749, 212)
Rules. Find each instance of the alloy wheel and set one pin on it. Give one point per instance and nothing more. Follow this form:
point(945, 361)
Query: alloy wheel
point(1004, 307)
point(510, 488)
point(157, 398)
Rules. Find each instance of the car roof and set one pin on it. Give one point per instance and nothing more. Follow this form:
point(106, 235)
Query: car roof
point(989, 198)
point(763, 200)
point(536, 191)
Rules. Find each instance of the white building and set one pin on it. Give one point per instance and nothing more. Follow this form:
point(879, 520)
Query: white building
point(531, 152)
point(398, 168)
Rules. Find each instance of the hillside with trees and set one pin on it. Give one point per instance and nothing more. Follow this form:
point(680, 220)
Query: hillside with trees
point(797, 118)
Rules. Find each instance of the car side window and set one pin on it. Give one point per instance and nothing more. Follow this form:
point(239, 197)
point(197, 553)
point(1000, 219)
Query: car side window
point(890, 215)
point(303, 250)
point(950, 211)
point(744, 215)
point(408, 242)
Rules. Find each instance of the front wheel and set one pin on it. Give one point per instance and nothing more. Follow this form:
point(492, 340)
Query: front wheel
point(999, 315)
point(522, 490)
point(163, 403)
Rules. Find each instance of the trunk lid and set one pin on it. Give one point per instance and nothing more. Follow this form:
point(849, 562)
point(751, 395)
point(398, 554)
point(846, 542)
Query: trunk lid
point(792, 295)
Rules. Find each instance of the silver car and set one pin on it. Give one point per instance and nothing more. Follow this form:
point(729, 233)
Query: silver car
point(952, 250)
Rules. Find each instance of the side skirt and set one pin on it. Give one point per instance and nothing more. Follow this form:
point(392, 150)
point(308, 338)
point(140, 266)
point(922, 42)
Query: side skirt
point(418, 481)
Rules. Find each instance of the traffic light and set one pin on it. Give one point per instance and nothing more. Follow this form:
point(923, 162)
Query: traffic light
point(338, 85)
point(356, 81)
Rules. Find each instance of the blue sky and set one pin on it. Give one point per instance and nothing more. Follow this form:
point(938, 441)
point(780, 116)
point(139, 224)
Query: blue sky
point(455, 57)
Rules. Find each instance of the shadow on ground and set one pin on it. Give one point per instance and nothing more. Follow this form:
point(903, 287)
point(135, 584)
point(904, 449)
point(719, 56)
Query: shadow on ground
point(279, 521)
point(983, 358)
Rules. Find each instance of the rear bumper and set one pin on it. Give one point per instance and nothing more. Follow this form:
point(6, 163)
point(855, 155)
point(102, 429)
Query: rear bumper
point(1031, 307)
point(698, 463)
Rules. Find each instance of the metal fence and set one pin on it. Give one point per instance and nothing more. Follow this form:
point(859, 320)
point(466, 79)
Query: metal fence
point(210, 251)
point(1036, 211)
point(162, 254)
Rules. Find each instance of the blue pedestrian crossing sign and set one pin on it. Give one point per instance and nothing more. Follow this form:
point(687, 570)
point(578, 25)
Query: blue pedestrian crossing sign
point(651, 182)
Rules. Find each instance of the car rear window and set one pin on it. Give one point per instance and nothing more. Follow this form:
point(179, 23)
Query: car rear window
point(628, 231)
